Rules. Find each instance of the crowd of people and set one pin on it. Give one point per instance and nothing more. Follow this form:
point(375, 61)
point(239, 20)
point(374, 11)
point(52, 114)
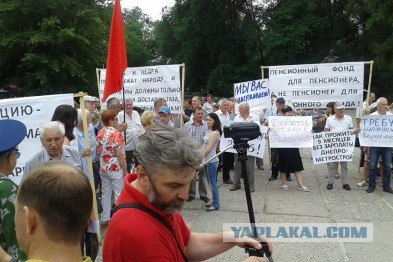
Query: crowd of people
point(147, 163)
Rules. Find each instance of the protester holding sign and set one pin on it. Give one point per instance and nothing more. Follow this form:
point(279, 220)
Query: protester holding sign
point(384, 152)
point(329, 112)
point(290, 162)
point(362, 111)
point(338, 122)
point(280, 104)
point(317, 120)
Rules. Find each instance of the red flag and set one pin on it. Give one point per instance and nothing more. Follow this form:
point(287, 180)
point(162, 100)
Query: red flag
point(116, 62)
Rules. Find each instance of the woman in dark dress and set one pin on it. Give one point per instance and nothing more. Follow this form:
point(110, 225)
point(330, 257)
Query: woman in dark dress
point(290, 161)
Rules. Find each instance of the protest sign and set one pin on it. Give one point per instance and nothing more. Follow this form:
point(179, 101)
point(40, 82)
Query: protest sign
point(315, 85)
point(256, 93)
point(257, 146)
point(290, 131)
point(376, 131)
point(333, 147)
point(33, 112)
point(145, 84)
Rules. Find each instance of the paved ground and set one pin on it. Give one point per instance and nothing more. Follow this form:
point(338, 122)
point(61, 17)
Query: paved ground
point(273, 205)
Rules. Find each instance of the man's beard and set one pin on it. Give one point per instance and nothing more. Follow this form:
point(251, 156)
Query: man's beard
point(174, 206)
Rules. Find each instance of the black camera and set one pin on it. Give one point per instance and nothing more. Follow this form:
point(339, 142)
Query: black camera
point(242, 131)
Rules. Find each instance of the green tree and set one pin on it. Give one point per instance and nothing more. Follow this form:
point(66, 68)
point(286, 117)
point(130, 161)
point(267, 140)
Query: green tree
point(52, 46)
point(138, 31)
point(217, 40)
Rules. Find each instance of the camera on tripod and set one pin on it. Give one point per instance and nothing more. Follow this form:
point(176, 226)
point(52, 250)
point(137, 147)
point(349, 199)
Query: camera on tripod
point(242, 131)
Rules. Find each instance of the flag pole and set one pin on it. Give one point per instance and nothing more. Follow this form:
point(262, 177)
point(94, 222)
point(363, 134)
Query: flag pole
point(124, 109)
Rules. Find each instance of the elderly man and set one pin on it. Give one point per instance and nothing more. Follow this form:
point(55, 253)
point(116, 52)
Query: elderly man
point(338, 122)
point(197, 129)
point(12, 132)
point(159, 190)
point(90, 104)
point(52, 138)
point(245, 116)
point(113, 103)
point(384, 152)
point(134, 126)
point(227, 158)
point(54, 204)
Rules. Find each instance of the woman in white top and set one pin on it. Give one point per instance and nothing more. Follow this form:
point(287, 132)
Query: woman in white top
point(211, 139)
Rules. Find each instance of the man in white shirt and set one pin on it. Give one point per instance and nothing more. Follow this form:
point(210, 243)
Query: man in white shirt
point(244, 116)
point(134, 125)
point(338, 122)
point(227, 158)
point(385, 153)
point(208, 106)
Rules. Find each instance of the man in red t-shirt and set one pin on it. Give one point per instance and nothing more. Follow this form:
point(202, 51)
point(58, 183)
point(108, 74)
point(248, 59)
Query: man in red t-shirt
point(168, 159)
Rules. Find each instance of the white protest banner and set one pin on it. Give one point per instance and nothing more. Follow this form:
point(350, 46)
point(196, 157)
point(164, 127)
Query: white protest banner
point(145, 84)
point(256, 93)
point(315, 85)
point(257, 146)
point(333, 147)
point(33, 112)
point(290, 131)
point(376, 131)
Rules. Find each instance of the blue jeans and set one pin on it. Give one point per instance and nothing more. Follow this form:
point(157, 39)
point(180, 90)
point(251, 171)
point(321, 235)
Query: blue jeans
point(212, 176)
point(386, 154)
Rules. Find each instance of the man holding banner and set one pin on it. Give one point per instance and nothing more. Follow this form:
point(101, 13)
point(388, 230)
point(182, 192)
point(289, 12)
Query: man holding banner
point(338, 122)
point(384, 152)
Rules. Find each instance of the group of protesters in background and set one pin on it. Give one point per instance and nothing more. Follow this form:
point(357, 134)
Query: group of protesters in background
point(114, 132)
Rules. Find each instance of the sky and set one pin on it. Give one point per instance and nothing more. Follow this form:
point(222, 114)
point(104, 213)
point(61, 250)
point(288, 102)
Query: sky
point(150, 7)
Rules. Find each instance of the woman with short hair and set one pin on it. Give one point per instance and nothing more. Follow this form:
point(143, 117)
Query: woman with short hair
point(110, 148)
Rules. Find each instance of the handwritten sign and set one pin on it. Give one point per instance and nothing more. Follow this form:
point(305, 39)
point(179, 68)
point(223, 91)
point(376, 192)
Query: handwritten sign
point(257, 146)
point(333, 147)
point(376, 131)
point(290, 131)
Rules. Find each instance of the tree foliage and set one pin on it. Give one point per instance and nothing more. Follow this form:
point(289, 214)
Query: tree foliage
point(54, 46)
point(50, 46)
point(224, 42)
